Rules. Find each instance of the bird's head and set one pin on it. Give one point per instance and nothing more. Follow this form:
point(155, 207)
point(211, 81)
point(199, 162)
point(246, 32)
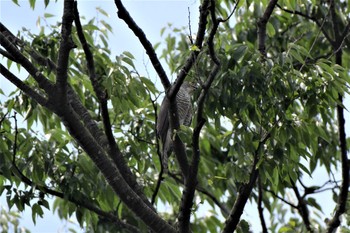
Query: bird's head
point(189, 87)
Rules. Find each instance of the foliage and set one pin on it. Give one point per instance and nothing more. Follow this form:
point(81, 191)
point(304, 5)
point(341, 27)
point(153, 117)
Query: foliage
point(270, 109)
point(9, 222)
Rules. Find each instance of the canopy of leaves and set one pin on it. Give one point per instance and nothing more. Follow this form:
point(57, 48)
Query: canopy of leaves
point(271, 78)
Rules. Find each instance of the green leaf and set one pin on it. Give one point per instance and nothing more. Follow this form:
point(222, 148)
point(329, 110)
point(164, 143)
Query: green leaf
point(297, 56)
point(46, 3)
point(239, 51)
point(99, 9)
point(47, 15)
point(32, 3)
point(36, 210)
point(194, 48)
point(312, 201)
point(128, 61)
point(270, 29)
point(15, 2)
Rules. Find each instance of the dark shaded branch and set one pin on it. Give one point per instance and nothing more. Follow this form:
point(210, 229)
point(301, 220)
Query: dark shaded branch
point(203, 13)
point(44, 61)
point(191, 181)
point(245, 191)
point(124, 15)
point(10, 36)
point(111, 173)
point(7, 55)
point(346, 31)
point(43, 82)
point(23, 87)
point(262, 26)
point(174, 124)
point(233, 11)
point(65, 47)
point(261, 209)
point(302, 208)
point(179, 148)
point(334, 223)
point(101, 94)
point(85, 204)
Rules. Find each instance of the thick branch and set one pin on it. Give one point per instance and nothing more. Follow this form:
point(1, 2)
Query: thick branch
point(191, 181)
point(111, 173)
point(101, 94)
point(244, 193)
point(22, 86)
point(44, 83)
point(174, 124)
point(44, 61)
point(334, 223)
point(83, 203)
point(262, 26)
point(65, 47)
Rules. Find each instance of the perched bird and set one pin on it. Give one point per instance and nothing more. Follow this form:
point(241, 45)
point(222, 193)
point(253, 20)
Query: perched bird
point(184, 108)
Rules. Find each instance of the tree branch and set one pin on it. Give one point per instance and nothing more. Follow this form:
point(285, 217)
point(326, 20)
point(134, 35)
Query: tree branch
point(83, 203)
point(124, 15)
point(23, 87)
point(160, 175)
point(334, 223)
point(203, 13)
point(312, 18)
point(44, 61)
point(65, 47)
point(111, 173)
point(302, 208)
point(174, 124)
point(262, 26)
point(282, 199)
point(191, 181)
point(43, 82)
point(101, 94)
point(245, 191)
point(261, 209)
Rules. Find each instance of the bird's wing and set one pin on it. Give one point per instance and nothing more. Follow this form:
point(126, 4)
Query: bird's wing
point(163, 121)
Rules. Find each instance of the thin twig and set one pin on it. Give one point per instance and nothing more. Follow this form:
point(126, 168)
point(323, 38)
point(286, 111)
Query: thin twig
point(281, 199)
point(260, 208)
